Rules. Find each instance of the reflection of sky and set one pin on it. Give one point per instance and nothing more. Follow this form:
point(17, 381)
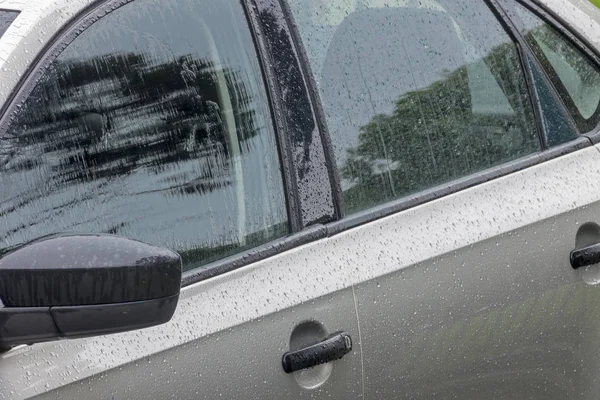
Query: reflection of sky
point(148, 27)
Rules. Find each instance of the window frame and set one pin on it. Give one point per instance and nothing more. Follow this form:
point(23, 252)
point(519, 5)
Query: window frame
point(571, 36)
point(525, 51)
point(299, 232)
point(346, 222)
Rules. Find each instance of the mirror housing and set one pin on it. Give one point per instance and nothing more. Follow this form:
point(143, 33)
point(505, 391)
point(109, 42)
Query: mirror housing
point(69, 286)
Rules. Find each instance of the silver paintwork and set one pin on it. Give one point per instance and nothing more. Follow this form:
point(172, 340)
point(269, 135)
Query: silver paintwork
point(581, 15)
point(443, 305)
point(485, 304)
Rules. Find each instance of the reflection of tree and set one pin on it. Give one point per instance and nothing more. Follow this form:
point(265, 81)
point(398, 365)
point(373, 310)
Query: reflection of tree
point(562, 57)
point(433, 135)
point(165, 141)
point(110, 115)
point(540, 34)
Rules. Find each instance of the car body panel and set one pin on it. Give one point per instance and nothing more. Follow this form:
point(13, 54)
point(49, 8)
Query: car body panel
point(240, 362)
point(260, 304)
point(498, 316)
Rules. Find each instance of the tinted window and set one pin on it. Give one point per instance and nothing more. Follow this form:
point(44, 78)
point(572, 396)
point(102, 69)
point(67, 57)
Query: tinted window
point(556, 123)
point(6, 19)
point(153, 124)
point(416, 93)
point(576, 77)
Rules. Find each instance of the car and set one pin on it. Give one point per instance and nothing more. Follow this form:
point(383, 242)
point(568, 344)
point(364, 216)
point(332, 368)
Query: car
point(338, 199)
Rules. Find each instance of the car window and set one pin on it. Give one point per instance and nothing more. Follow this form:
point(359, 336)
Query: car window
point(152, 124)
point(575, 75)
point(6, 19)
point(415, 93)
point(557, 125)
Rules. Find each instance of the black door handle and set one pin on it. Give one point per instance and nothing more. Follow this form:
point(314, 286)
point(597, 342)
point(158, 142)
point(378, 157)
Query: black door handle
point(586, 256)
point(333, 348)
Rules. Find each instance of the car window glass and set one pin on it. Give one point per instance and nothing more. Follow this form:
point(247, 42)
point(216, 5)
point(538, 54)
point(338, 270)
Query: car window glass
point(152, 124)
point(556, 122)
point(575, 75)
point(6, 19)
point(415, 93)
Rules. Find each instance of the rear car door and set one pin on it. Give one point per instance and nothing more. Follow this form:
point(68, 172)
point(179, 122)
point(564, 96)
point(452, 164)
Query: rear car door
point(468, 180)
point(154, 120)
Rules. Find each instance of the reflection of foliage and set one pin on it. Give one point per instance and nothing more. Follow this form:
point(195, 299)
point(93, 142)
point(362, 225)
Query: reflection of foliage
point(573, 69)
point(546, 36)
point(164, 141)
point(434, 136)
point(112, 114)
point(104, 118)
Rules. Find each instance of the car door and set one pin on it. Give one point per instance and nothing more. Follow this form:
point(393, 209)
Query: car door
point(154, 120)
point(467, 184)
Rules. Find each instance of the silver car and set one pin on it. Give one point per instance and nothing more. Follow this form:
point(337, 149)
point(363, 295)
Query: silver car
point(290, 199)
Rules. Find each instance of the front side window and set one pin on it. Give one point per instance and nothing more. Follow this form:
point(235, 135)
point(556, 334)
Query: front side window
point(152, 124)
point(575, 75)
point(416, 93)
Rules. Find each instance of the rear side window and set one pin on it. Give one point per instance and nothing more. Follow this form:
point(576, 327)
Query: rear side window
point(576, 77)
point(6, 19)
point(416, 93)
point(152, 124)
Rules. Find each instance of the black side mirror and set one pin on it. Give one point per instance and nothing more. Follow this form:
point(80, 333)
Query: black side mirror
point(84, 285)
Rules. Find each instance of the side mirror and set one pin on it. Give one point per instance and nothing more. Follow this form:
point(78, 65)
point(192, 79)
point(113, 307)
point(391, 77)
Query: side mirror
point(69, 286)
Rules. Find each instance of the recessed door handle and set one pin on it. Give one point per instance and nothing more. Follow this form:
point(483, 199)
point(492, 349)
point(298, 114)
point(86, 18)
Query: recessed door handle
point(333, 348)
point(586, 256)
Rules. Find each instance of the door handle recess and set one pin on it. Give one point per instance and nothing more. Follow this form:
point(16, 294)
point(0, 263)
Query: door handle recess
point(333, 348)
point(586, 256)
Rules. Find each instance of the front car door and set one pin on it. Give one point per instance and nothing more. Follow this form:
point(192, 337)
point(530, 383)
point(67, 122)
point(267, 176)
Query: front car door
point(468, 179)
point(152, 120)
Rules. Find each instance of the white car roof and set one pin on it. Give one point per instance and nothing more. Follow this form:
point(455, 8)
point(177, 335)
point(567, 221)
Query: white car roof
point(40, 20)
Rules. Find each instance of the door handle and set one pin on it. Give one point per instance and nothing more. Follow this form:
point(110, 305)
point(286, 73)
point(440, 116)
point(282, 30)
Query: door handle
point(585, 256)
point(333, 348)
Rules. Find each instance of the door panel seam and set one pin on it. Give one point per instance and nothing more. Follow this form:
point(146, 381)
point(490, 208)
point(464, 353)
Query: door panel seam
point(362, 364)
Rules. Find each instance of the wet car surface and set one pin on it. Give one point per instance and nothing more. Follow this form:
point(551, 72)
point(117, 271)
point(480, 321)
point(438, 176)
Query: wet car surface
point(361, 199)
